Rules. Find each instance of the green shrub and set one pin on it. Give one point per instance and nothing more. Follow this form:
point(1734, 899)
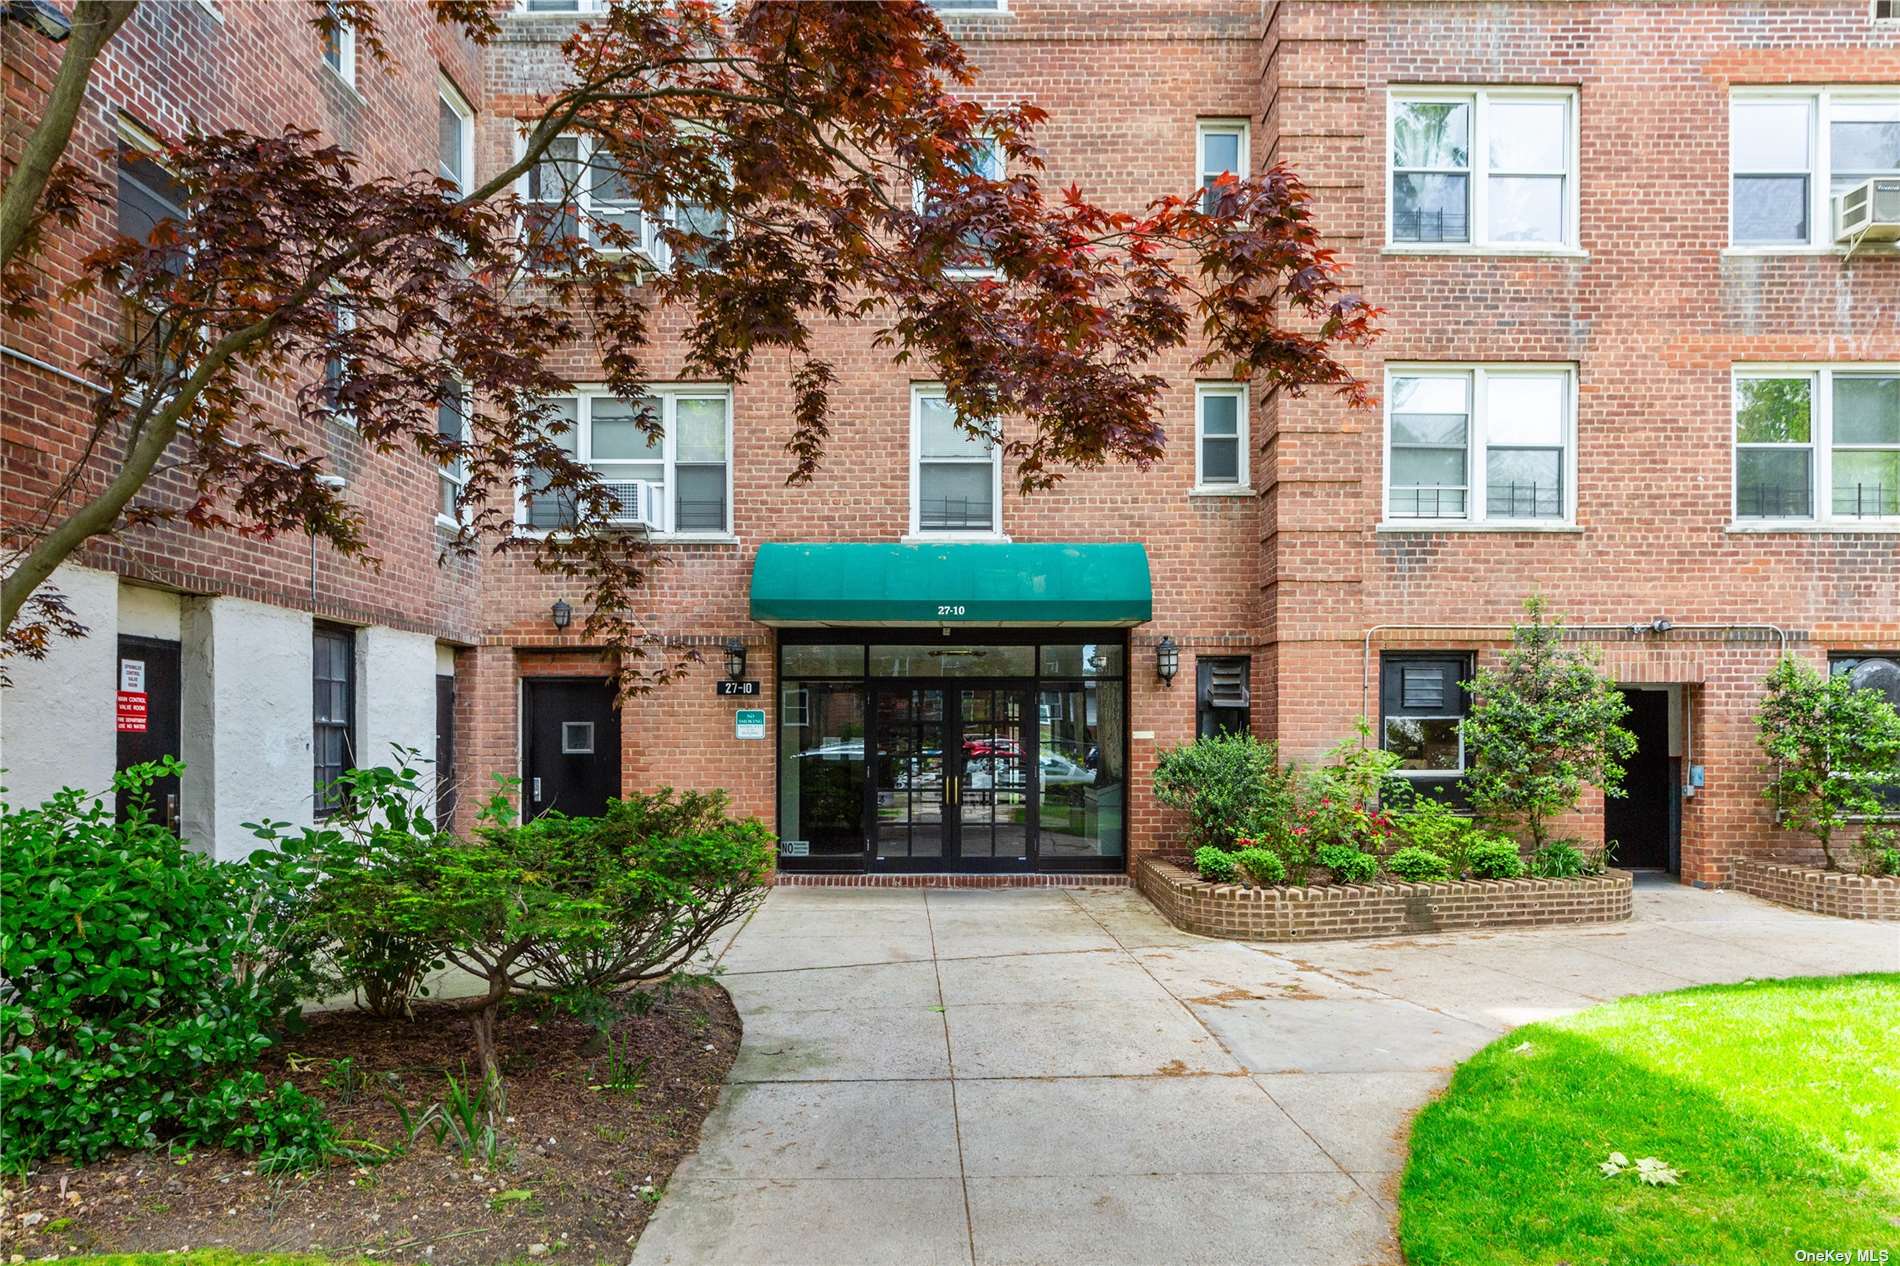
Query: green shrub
point(1417, 865)
point(1436, 827)
point(144, 979)
point(375, 844)
point(1349, 865)
point(1216, 865)
point(1228, 785)
point(1262, 867)
point(571, 908)
point(1494, 857)
point(1559, 859)
point(1877, 851)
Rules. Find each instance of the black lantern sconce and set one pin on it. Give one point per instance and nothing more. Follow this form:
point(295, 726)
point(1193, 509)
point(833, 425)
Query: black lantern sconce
point(1167, 661)
point(562, 613)
point(735, 658)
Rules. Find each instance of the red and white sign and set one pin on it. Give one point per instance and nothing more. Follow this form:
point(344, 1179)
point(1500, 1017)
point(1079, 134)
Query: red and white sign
point(132, 714)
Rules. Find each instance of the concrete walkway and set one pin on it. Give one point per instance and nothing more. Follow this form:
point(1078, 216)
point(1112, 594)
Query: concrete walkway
point(1052, 1076)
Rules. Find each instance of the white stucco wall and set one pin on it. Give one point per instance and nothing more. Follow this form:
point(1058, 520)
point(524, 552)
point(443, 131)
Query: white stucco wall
point(58, 720)
point(148, 612)
point(247, 721)
point(395, 695)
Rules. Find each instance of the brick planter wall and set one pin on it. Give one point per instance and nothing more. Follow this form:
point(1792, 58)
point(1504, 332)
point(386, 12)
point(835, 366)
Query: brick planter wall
point(1823, 891)
point(1388, 908)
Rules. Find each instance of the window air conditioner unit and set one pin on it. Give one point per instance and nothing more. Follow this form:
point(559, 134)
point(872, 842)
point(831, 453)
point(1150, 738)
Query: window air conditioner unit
point(640, 503)
point(1869, 212)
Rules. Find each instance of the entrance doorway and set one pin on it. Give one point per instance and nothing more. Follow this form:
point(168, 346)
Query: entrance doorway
point(904, 751)
point(1645, 822)
point(150, 694)
point(570, 746)
point(951, 777)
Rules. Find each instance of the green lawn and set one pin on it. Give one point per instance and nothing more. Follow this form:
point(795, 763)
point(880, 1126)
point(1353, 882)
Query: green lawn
point(1779, 1102)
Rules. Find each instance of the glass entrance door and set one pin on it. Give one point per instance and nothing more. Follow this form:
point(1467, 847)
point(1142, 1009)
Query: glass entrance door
point(952, 776)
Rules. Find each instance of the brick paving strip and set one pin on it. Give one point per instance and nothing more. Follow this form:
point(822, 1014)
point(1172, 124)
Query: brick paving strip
point(1055, 1076)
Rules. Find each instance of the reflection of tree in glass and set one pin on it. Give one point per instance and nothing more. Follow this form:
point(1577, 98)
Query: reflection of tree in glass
point(1431, 134)
point(1772, 410)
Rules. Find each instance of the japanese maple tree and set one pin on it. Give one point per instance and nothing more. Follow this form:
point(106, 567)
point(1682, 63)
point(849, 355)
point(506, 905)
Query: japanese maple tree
point(805, 163)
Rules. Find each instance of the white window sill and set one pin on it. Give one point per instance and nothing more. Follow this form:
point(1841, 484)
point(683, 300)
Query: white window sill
point(1467, 525)
point(962, 538)
point(346, 83)
point(1454, 248)
point(447, 524)
point(1221, 490)
point(1837, 249)
point(1813, 527)
point(654, 538)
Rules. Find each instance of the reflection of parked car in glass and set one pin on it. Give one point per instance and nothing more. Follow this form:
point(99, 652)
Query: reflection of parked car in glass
point(850, 749)
point(1056, 771)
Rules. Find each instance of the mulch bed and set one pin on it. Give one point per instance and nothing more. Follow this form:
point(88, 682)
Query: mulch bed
point(582, 1166)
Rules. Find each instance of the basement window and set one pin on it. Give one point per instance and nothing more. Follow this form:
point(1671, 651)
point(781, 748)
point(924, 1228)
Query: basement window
point(1878, 671)
point(333, 719)
point(1223, 701)
point(1422, 706)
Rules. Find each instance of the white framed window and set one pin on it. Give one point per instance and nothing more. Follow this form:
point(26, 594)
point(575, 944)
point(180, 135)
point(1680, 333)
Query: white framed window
point(1480, 444)
point(455, 147)
point(1792, 151)
point(557, 8)
point(451, 423)
point(1220, 437)
point(686, 469)
point(990, 163)
point(1817, 444)
point(339, 47)
point(1491, 169)
point(336, 368)
point(1220, 146)
point(575, 190)
point(956, 478)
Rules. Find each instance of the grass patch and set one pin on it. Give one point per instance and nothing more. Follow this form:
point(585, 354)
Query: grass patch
point(1779, 1102)
point(202, 1257)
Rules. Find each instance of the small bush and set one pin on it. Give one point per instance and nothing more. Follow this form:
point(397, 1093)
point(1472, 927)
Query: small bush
point(1877, 851)
point(1559, 859)
point(1437, 828)
point(1349, 865)
point(1228, 785)
point(1418, 865)
point(143, 980)
point(1262, 867)
point(1216, 865)
point(1494, 857)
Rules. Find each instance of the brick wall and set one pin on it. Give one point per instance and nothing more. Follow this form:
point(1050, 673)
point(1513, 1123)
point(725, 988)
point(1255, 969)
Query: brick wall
point(1387, 908)
point(1824, 892)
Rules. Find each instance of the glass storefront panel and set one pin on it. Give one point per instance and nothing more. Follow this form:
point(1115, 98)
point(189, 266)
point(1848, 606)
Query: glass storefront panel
point(821, 769)
point(909, 768)
point(928, 659)
point(1083, 659)
point(1082, 770)
point(845, 660)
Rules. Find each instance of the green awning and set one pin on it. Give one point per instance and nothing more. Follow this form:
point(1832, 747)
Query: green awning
point(961, 583)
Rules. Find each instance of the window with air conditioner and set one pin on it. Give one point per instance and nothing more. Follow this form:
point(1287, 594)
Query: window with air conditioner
point(956, 475)
point(1489, 169)
point(1817, 445)
point(1480, 445)
point(664, 458)
point(1793, 152)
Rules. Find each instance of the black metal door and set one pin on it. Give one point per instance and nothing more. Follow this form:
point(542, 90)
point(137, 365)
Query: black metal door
point(570, 746)
point(1640, 820)
point(149, 688)
point(952, 776)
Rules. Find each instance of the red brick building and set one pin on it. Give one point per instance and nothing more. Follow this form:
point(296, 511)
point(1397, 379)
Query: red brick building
point(1604, 236)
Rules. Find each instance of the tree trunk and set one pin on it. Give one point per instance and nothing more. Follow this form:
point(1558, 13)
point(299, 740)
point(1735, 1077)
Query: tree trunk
point(481, 1023)
point(94, 23)
point(1827, 850)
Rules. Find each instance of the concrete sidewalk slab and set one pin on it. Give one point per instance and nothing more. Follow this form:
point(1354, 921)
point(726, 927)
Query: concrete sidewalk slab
point(1060, 1076)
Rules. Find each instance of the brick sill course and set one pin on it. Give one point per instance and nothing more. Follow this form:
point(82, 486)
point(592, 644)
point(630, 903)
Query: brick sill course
point(1838, 893)
point(1388, 908)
